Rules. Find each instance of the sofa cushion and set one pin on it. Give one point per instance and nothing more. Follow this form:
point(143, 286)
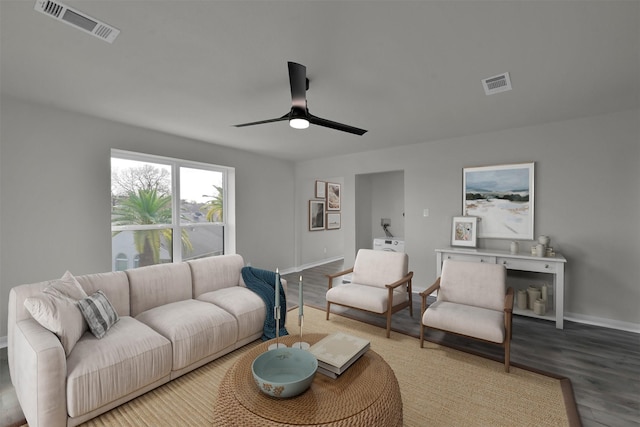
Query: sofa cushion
point(245, 305)
point(128, 358)
point(196, 329)
point(157, 285)
point(466, 320)
point(55, 309)
point(213, 273)
point(473, 283)
point(115, 286)
point(99, 313)
point(379, 268)
point(370, 298)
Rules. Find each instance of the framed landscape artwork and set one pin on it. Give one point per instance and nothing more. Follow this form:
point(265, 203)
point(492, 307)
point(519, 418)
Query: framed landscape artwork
point(502, 198)
point(333, 220)
point(316, 215)
point(464, 231)
point(333, 196)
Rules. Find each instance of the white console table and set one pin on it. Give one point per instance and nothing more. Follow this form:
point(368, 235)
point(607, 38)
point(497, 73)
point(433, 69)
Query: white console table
point(551, 265)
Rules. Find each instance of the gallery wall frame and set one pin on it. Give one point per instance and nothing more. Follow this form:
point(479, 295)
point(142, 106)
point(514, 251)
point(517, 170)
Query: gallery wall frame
point(502, 198)
point(464, 231)
point(333, 196)
point(317, 215)
point(333, 220)
point(321, 187)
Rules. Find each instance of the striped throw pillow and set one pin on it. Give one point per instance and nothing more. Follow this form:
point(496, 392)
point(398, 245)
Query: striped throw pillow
point(99, 313)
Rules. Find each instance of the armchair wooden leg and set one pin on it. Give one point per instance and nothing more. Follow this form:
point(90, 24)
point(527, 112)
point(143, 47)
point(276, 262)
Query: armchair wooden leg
point(421, 335)
point(507, 355)
point(328, 309)
point(388, 322)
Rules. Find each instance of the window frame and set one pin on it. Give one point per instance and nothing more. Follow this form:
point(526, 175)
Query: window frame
point(228, 209)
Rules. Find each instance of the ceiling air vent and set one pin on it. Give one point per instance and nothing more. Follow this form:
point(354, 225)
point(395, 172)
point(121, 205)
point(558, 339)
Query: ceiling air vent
point(497, 84)
point(77, 19)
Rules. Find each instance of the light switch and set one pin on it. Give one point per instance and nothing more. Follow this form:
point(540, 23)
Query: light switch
point(425, 213)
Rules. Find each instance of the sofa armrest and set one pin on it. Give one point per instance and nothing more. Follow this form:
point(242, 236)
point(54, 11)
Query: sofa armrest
point(39, 375)
point(338, 274)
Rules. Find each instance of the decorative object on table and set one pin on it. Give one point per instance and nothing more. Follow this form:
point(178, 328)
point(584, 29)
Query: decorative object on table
point(539, 307)
point(464, 231)
point(276, 314)
point(337, 352)
point(514, 248)
point(333, 220)
point(502, 197)
point(540, 250)
point(300, 344)
point(316, 215)
point(533, 250)
point(544, 292)
point(333, 196)
point(263, 283)
point(522, 299)
point(284, 372)
point(533, 293)
point(550, 252)
point(544, 240)
point(321, 189)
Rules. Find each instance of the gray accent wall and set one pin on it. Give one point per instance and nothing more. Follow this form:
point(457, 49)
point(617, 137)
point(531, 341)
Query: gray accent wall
point(587, 189)
point(55, 192)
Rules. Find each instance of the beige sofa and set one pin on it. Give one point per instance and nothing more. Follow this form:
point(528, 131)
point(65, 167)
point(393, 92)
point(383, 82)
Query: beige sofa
point(173, 318)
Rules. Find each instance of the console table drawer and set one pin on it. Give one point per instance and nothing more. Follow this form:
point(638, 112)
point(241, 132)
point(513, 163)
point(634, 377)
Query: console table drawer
point(469, 258)
point(541, 266)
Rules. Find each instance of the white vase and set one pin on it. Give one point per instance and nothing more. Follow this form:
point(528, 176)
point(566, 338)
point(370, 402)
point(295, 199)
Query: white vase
point(540, 250)
point(544, 240)
point(514, 248)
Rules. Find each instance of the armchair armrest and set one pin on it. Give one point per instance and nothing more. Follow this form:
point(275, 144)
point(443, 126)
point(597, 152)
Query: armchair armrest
point(338, 274)
point(405, 279)
point(508, 300)
point(424, 294)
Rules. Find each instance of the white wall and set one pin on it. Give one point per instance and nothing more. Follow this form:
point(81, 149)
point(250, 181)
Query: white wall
point(587, 199)
point(55, 186)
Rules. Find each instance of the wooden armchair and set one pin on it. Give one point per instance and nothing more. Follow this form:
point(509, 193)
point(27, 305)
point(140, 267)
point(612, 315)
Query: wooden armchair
point(472, 302)
point(380, 284)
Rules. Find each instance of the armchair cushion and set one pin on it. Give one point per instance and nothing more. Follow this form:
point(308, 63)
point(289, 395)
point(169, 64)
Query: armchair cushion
point(474, 284)
point(365, 297)
point(466, 320)
point(379, 268)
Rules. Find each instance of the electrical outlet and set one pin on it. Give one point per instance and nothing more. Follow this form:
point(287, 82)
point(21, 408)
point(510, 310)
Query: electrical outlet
point(385, 221)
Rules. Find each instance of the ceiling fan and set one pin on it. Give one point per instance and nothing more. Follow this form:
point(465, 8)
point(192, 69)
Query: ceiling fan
point(299, 116)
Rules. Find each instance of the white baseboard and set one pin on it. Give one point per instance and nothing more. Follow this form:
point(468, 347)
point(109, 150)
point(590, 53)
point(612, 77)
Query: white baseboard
point(605, 323)
point(315, 264)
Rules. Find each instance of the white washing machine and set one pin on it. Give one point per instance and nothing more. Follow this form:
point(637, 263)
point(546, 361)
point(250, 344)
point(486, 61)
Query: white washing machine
point(393, 244)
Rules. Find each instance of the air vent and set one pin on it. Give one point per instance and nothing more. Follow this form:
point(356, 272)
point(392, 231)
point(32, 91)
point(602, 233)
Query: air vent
point(497, 84)
point(77, 19)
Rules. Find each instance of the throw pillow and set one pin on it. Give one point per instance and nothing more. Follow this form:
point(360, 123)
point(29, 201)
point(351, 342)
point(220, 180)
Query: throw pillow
point(60, 315)
point(55, 309)
point(99, 313)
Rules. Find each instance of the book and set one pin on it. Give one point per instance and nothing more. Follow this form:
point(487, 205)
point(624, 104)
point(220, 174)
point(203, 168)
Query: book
point(338, 351)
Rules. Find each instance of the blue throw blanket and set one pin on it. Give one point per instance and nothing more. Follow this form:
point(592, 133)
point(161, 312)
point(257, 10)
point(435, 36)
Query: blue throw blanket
point(262, 282)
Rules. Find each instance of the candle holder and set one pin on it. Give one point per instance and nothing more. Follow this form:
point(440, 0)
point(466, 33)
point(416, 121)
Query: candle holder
point(301, 344)
point(276, 316)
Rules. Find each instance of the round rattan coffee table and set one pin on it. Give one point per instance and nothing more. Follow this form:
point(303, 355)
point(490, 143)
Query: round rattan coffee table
point(367, 394)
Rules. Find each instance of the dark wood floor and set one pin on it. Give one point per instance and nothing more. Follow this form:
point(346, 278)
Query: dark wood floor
point(603, 364)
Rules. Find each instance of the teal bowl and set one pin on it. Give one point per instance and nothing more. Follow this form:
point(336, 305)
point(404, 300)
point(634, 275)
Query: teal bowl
point(284, 372)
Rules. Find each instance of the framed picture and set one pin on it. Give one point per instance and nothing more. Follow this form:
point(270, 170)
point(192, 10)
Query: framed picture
point(320, 189)
point(333, 196)
point(464, 231)
point(316, 215)
point(333, 220)
point(502, 198)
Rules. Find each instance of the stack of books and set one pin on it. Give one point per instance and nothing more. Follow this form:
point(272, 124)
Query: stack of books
point(338, 351)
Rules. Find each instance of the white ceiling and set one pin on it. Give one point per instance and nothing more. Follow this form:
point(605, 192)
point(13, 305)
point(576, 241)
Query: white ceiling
point(408, 71)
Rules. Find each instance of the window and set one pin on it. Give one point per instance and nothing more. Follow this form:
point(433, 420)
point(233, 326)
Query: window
point(168, 210)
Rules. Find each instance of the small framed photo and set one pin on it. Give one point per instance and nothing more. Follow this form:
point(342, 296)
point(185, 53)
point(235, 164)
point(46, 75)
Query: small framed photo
point(333, 196)
point(321, 187)
point(464, 231)
point(333, 220)
point(316, 215)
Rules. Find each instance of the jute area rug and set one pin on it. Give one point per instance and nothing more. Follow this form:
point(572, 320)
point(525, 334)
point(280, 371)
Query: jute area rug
point(440, 386)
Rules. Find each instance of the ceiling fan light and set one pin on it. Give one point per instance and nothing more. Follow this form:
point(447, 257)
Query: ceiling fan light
point(299, 123)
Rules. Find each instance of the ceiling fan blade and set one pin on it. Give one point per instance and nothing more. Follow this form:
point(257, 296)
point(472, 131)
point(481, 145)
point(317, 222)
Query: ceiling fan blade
point(298, 83)
point(335, 125)
point(261, 122)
